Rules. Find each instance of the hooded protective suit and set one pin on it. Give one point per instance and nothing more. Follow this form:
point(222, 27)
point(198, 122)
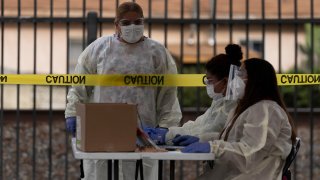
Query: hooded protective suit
point(156, 105)
point(207, 126)
point(257, 146)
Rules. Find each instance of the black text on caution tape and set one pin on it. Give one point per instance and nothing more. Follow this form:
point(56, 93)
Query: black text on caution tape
point(139, 80)
point(300, 79)
point(3, 79)
point(66, 79)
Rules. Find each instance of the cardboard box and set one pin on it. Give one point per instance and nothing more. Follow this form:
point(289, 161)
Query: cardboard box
point(106, 127)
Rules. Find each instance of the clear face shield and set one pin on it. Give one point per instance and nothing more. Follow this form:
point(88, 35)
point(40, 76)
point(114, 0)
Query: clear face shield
point(236, 85)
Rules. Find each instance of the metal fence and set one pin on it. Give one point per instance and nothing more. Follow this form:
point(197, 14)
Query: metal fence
point(41, 118)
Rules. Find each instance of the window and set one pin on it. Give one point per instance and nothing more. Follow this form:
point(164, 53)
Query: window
point(256, 45)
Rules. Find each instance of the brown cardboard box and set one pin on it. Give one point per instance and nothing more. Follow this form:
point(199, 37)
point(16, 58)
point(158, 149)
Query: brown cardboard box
point(107, 127)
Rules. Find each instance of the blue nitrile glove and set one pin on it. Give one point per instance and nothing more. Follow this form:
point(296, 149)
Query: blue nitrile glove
point(197, 148)
point(158, 135)
point(184, 140)
point(71, 125)
point(149, 130)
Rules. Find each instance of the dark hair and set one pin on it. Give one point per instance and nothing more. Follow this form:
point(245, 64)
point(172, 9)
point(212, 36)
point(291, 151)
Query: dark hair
point(128, 7)
point(220, 65)
point(261, 85)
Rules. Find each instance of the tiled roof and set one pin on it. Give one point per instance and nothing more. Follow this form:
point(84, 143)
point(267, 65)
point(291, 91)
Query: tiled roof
point(174, 8)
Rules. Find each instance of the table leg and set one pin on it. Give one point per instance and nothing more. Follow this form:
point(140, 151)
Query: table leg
point(160, 170)
point(141, 169)
point(137, 170)
point(81, 169)
point(172, 168)
point(109, 169)
point(116, 169)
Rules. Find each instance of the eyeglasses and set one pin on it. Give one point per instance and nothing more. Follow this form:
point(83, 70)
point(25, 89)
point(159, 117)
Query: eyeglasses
point(126, 22)
point(208, 81)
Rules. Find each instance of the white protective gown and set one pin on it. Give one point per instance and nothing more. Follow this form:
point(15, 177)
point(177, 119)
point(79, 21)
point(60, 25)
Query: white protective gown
point(257, 146)
point(207, 126)
point(156, 105)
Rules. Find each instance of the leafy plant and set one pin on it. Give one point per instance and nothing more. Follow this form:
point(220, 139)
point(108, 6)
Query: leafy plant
point(307, 49)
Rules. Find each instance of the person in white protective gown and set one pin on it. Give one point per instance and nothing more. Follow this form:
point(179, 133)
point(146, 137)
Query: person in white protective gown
point(210, 124)
point(126, 52)
point(259, 133)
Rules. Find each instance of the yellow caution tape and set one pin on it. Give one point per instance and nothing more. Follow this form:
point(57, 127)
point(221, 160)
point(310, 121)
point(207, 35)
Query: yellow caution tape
point(180, 80)
point(298, 79)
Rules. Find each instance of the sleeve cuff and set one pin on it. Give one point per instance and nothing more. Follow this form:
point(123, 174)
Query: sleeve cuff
point(208, 137)
point(215, 147)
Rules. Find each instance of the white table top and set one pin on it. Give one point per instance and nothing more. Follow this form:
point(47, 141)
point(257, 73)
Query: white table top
point(170, 155)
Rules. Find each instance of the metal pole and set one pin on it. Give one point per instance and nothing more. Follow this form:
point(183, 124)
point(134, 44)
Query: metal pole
point(34, 114)
point(92, 27)
point(311, 89)
point(166, 24)
point(1, 95)
point(50, 96)
point(181, 71)
point(18, 98)
point(247, 29)
point(295, 71)
point(100, 12)
point(279, 34)
point(149, 17)
point(67, 142)
point(230, 17)
point(84, 2)
point(263, 29)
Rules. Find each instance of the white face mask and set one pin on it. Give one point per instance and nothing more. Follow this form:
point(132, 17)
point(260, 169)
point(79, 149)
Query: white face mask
point(211, 93)
point(132, 33)
point(238, 87)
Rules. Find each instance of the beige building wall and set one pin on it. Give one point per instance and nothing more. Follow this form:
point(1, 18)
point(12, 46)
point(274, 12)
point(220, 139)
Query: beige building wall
point(287, 49)
point(27, 50)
